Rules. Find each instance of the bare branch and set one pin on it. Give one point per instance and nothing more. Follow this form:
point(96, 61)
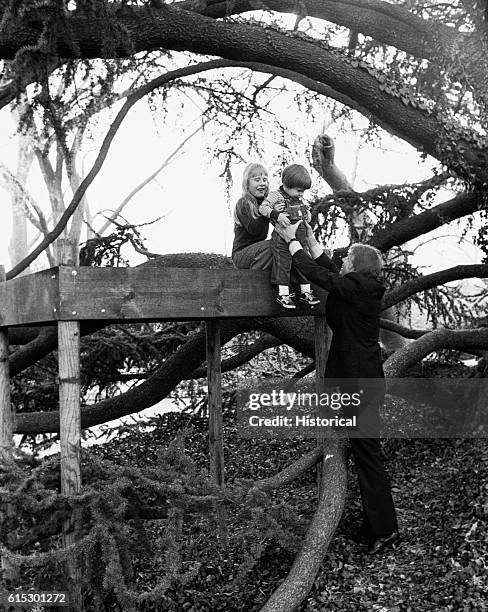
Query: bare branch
point(131, 100)
point(141, 185)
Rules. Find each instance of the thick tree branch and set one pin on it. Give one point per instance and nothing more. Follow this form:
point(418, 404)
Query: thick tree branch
point(422, 283)
point(163, 381)
point(405, 332)
point(402, 231)
point(290, 473)
point(385, 22)
point(296, 586)
point(462, 340)
point(243, 356)
point(172, 28)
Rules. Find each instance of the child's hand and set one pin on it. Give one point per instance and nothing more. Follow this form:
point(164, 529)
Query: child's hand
point(275, 200)
point(283, 220)
point(308, 216)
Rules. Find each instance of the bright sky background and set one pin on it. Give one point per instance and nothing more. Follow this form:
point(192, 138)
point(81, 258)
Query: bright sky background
point(191, 196)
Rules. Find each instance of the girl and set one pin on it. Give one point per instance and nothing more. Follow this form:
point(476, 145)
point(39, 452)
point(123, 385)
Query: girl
point(250, 248)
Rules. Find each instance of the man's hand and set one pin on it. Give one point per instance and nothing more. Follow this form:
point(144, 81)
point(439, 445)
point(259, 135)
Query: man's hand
point(282, 221)
point(310, 238)
point(289, 232)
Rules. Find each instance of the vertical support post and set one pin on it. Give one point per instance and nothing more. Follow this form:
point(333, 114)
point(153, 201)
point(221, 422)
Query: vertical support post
point(6, 431)
point(215, 426)
point(320, 362)
point(6, 421)
point(70, 440)
point(66, 252)
point(214, 377)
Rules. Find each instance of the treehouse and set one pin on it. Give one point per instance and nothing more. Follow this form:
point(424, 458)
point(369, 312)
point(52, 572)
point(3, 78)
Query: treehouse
point(67, 295)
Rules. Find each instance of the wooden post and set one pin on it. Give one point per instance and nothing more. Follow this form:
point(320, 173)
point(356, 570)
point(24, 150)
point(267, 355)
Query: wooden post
point(66, 252)
point(215, 432)
point(320, 363)
point(6, 424)
point(10, 573)
point(70, 439)
point(215, 427)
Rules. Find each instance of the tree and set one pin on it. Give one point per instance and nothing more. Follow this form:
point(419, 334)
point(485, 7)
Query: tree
point(418, 73)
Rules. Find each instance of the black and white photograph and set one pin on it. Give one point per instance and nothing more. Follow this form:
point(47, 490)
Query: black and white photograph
point(244, 305)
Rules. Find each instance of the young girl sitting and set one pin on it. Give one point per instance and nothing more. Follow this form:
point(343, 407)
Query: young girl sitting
point(250, 248)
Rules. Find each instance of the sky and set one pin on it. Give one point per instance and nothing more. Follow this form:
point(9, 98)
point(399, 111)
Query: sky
point(190, 197)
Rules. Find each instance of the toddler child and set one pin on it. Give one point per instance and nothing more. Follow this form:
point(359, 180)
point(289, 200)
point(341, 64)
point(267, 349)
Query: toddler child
point(288, 199)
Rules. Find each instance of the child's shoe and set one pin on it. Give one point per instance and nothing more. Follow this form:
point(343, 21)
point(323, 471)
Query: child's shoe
point(309, 298)
point(286, 301)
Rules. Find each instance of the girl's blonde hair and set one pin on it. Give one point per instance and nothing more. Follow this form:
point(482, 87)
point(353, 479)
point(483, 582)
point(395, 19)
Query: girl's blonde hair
point(251, 170)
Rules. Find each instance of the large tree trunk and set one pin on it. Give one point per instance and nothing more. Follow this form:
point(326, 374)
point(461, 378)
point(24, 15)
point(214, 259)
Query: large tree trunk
point(296, 586)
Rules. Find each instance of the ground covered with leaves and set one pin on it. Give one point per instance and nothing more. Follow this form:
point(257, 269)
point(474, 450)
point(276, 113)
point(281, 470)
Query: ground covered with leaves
point(441, 494)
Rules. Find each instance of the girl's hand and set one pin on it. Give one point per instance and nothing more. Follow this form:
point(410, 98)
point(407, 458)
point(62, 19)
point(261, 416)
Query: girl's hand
point(280, 206)
point(283, 220)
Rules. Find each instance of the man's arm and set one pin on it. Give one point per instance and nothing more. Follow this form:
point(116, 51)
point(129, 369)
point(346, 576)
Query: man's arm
point(316, 271)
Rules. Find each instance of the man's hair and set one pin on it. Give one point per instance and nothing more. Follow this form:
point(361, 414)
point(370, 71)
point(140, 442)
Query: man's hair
point(296, 177)
point(366, 259)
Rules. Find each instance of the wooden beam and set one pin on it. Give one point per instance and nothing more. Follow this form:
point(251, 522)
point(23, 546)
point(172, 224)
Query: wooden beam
point(6, 425)
point(167, 293)
point(30, 299)
point(141, 294)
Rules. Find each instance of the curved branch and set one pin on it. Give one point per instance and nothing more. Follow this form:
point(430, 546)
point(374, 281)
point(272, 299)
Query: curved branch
point(385, 22)
point(402, 231)
point(296, 586)
point(156, 387)
point(290, 473)
point(173, 28)
point(148, 179)
point(463, 340)
point(102, 154)
point(406, 332)
point(242, 357)
point(39, 342)
point(422, 283)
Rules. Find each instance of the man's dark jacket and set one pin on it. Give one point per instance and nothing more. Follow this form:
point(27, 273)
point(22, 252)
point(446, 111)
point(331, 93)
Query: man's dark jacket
point(353, 313)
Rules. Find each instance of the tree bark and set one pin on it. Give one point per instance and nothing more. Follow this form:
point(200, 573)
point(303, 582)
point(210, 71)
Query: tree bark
point(179, 30)
point(296, 586)
point(401, 360)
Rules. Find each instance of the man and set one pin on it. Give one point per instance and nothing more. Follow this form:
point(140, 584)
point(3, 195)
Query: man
point(353, 313)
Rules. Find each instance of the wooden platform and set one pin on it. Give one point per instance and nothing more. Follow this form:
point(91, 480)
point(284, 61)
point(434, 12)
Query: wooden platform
point(148, 293)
